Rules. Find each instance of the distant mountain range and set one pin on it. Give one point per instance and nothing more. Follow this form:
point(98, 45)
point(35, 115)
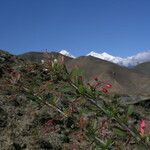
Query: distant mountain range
point(125, 80)
point(128, 61)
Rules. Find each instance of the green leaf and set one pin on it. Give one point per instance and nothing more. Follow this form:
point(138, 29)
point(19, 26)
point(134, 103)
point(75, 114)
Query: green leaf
point(147, 139)
point(140, 147)
point(84, 111)
point(90, 133)
point(80, 72)
point(65, 77)
point(110, 113)
point(50, 86)
point(94, 124)
point(73, 74)
point(69, 97)
point(119, 132)
point(109, 143)
point(66, 89)
point(130, 110)
point(104, 145)
point(81, 89)
point(51, 99)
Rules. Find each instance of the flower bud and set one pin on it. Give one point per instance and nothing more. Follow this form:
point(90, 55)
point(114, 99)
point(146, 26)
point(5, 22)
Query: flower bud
point(104, 90)
point(55, 61)
point(42, 61)
point(108, 86)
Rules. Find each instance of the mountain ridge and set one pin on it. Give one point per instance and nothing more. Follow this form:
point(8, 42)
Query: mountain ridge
point(130, 61)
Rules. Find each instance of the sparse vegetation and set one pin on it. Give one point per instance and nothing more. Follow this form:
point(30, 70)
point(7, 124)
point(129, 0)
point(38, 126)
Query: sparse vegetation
point(45, 106)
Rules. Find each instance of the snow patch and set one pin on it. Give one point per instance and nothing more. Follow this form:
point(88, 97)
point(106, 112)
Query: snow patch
point(66, 53)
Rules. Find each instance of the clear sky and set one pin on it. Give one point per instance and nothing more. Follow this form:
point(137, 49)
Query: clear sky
point(118, 27)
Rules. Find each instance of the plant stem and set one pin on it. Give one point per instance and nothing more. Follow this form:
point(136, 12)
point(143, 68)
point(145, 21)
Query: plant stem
point(117, 119)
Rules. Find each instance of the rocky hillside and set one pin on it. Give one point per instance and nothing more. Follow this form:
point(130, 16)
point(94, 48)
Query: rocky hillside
point(36, 57)
point(143, 68)
point(124, 80)
point(23, 117)
point(29, 122)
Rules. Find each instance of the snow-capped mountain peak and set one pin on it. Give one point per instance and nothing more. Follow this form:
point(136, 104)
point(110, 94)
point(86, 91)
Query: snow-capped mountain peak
point(105, 56)
point(66, 53)
point(128, 61)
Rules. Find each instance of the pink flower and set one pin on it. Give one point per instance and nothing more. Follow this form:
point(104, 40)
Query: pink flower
point(108, 86)
point(142, 127)
point(104, 90)
point(95, 78)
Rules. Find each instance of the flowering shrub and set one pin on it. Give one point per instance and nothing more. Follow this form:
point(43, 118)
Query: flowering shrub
point(82, 108)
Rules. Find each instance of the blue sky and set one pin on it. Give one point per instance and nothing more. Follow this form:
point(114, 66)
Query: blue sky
point(118, 27)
